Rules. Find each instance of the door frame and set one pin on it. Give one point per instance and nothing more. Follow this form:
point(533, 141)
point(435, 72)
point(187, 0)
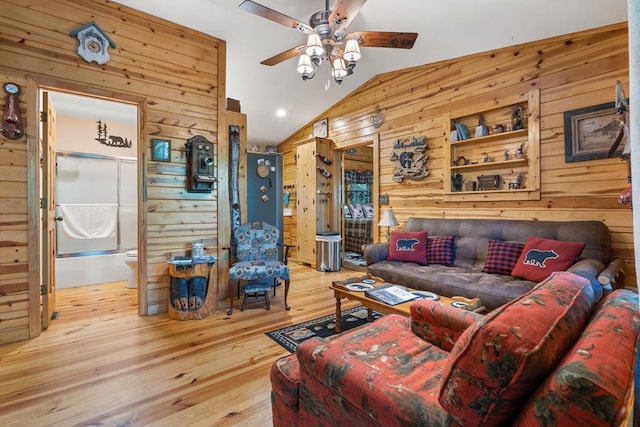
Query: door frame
point(34, 85)
point(375, 187)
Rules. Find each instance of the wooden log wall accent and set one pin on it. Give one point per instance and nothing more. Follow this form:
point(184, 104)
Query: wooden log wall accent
point(571, 71)
point(176, 76)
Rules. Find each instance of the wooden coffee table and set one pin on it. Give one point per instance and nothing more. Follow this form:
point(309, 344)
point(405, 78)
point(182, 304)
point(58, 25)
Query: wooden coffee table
point(340, 291)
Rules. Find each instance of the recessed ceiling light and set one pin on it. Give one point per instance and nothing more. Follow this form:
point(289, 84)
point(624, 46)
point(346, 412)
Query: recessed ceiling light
point(281, 113)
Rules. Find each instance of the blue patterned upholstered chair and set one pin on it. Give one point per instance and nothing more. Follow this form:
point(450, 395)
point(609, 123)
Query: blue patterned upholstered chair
point(258, 263)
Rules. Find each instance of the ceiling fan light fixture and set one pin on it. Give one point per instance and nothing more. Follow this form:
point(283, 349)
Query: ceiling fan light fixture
point(314, 46)
point(339, 70)
point(352, 51)
point(328, 38)
point(305, 67)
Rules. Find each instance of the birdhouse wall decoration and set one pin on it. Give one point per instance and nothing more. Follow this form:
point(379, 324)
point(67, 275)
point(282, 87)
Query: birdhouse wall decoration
point(94, 43)
point(409, 153)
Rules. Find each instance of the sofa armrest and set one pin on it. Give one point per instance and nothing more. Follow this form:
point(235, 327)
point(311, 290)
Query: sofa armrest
point(587, 268)
point(440, 324)
point(376, 252)
point(609, 276)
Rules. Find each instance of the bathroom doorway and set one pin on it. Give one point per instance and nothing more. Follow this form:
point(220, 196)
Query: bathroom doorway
point(95, 177)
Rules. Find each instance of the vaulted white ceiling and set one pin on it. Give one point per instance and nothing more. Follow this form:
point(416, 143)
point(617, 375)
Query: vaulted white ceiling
point(446, 28)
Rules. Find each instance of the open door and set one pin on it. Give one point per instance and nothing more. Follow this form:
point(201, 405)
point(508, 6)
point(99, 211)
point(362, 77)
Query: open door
point(48, 210)
point(358, 203)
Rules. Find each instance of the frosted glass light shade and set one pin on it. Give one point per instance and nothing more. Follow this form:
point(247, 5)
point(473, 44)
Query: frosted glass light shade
point(304, 65)
point(352, 51)
point(339, 70)
point(314, 45)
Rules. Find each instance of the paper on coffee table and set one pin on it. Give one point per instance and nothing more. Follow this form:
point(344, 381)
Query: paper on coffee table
point(390, 294)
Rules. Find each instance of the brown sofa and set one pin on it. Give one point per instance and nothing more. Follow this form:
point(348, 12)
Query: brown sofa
point(466, 278)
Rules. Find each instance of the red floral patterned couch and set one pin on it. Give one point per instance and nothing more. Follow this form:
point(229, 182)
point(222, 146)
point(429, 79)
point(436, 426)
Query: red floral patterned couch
point(544, 359)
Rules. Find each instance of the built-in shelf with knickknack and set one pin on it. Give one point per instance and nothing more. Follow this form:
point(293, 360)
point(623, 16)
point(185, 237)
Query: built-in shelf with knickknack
point(494, 154)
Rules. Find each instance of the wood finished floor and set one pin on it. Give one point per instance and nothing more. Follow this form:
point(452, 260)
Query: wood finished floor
point(100, 364)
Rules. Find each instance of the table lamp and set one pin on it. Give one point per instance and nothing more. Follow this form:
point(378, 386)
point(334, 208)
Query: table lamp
point(388, 220)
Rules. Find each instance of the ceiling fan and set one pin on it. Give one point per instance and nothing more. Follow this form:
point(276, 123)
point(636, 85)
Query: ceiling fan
point(328, 39)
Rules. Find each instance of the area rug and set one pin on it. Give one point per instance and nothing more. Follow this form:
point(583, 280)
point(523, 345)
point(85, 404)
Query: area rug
point(290, 336)
point(354, 258)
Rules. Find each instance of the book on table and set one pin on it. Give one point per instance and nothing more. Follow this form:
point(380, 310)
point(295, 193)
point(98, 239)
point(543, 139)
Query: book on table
point(390, 294)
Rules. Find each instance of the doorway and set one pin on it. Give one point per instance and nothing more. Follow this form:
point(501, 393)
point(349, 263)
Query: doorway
point(358, 212)
point(93, 173)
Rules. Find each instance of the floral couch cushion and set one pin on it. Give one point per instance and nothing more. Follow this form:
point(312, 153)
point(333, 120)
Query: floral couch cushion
point(380, 374)
point(497, 363)
point(591, 385)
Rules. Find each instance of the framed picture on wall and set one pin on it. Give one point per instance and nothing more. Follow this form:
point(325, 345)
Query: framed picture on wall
point(160, 150)
point(589, 132)
point(321, 128)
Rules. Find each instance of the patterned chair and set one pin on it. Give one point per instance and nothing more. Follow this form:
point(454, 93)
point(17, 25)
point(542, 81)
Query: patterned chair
point(257, 263)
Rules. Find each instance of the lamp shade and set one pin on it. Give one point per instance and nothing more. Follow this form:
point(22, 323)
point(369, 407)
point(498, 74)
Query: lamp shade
point(339, 70)
point(304, 65)
point(351, 51)
point(314, 46)
point(388, 219)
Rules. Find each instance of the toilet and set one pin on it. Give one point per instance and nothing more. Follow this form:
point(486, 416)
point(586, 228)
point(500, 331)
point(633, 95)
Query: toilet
point(131, 259)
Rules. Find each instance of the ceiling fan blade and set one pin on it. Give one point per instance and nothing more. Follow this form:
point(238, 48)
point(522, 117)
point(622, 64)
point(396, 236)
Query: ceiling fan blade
point(385, 39)
point(272, 15)
point(287, 54)
point(343, 13)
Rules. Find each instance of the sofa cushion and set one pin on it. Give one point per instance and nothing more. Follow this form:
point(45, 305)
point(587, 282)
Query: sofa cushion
point(408, 246)
point(502, 256)
point(381, 370)
point(356, 210)
point(497, 363)
point(541, 257)
point(493, 290)
point(591, 386)
point(367, 208)
point(441, 250)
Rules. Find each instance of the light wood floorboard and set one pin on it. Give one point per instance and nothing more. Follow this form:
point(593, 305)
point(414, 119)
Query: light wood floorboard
point(100, 364)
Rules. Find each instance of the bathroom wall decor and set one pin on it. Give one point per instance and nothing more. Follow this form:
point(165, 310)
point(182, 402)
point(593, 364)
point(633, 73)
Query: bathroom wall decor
point(111, 140)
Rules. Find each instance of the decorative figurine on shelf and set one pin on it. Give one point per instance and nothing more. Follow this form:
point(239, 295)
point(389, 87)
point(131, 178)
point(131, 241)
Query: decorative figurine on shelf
point(517, 182)
point(506, 155)
point(517, 120)
point(486, 158)
point(520, 151)
point(481, 129)
point(457, 182)
point(499, 128)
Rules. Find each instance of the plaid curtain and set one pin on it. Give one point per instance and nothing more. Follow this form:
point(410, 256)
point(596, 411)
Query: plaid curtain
point(352, 176)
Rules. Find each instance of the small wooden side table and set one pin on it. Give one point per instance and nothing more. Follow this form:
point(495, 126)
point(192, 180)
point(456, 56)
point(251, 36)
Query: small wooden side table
point(190, 294)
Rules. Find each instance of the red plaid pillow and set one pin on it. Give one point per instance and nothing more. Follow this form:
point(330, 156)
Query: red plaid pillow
point(408, 246)
point(541, 257)
point(441, 250)
point(502, 256)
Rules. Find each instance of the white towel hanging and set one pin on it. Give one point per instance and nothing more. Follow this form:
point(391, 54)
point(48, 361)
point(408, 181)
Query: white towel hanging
point(96, 221)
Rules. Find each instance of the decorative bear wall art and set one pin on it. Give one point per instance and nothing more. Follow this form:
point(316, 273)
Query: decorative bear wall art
point(409, 153)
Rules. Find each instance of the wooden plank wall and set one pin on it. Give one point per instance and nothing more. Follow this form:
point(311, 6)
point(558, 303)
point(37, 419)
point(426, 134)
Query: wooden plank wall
point(175, 74)
point(572, 71)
